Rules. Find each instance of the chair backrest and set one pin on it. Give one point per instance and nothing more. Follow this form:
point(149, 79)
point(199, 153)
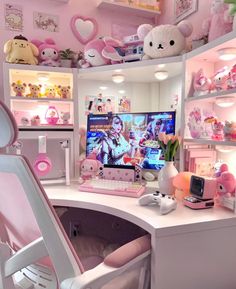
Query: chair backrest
point(29, 224)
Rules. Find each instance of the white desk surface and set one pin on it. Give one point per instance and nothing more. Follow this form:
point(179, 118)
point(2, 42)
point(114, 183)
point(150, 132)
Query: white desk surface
point(181, 220)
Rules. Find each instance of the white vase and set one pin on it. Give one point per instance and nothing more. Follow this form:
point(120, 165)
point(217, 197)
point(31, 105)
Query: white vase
point(165, 178)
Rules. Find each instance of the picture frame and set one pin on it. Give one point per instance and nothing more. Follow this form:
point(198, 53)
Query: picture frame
point(184, 8)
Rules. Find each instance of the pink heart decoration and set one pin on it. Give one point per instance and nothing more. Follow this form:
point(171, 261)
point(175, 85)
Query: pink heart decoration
point(84, 29)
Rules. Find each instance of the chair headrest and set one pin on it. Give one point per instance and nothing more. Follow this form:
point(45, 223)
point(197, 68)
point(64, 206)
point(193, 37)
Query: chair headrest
point(8, 127)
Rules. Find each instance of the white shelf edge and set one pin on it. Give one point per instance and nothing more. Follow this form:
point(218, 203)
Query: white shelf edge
point(37, 68)
point(211, 95)
point(209, 142)
point(211, 45)
point(28, 99)
point(106, 4)
point(135, 64)
point(40, 127)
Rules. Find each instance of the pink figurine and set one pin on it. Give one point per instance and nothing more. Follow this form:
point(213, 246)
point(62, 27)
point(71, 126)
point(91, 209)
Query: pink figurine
point(219, 81)
point(218, 130)
point(226, 184)
point(101, 52)
point(48, 52)
point(88, 169)
point(231, 81)
point(201, 83)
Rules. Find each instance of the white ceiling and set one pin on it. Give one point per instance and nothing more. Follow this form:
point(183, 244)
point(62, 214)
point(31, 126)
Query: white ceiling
point(134, 74)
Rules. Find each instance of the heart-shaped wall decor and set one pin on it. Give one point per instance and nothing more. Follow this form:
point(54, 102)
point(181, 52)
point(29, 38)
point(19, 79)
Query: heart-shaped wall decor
point(84, 28)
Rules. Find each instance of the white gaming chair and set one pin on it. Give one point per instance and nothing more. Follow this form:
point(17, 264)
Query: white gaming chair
point(35, 251)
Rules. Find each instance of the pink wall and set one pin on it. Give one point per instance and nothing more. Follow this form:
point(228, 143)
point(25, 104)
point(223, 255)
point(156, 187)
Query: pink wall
point(64, 38)
point(196, 18)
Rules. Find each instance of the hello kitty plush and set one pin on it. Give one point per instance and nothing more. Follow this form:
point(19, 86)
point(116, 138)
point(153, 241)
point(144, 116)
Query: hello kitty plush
point(219, 81)
point(201, 83)
point(48, 52)
point(101, 52)
point(164, 40)
point(218, 24)
point(88, 169)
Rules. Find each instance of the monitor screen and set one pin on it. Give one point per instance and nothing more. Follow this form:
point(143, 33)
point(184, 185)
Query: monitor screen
point(129, 138)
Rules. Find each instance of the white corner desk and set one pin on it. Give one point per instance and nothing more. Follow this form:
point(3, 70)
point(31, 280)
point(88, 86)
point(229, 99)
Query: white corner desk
point(190, 249)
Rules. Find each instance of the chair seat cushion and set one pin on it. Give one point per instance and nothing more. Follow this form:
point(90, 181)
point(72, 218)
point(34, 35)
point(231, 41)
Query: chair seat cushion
point(91, 262)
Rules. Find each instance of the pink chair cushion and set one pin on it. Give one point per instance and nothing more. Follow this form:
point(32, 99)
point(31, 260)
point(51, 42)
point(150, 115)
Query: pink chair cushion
point(91, 262)
point(128, 252)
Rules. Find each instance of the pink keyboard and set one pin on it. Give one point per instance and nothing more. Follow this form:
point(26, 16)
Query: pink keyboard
point(113, 187)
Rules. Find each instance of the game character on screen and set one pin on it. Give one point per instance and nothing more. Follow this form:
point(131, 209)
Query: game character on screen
point(153, 129)
point(113, 145)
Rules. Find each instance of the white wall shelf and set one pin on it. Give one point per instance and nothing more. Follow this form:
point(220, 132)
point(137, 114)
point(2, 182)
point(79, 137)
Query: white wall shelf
point(126, 8)
point(209, 142)
point(41, 99)
point(210, 97)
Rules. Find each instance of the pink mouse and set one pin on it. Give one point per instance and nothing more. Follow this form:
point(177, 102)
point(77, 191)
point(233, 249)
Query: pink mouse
point(88, 169)
point(101, 52)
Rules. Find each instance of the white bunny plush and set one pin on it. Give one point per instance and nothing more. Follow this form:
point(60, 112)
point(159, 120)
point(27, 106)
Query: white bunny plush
point(164, 40)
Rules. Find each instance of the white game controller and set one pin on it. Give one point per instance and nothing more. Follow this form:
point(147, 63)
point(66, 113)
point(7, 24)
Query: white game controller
point(166, 202)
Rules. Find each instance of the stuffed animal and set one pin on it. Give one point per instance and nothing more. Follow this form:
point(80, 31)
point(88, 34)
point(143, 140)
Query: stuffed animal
point(220, 79)
point(65, 116)
point(88, 169)
point(64, 91)
point(35, 90)
point(219, 23)
point(50, 92)
point(48, 52)
point(226, 184)
point(201, 83)
point(101, 52)
point(19, 88)
point(164, 40)
point(181, 182)
point(20, 50)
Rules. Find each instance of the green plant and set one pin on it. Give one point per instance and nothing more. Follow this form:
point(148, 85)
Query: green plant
point(233, 6)
point(66, 54)
point(169, 144)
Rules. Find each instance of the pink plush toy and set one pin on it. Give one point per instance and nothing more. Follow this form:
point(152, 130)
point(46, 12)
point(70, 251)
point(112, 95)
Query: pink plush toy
point(101, 52)
point(226, 184)
point(88, 169)
point(48, 52)
point(201, 83)
point(219, 81)
point(219, 23)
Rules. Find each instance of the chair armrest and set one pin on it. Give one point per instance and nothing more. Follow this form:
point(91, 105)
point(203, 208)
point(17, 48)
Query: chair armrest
point(100, 275)
point(128, 252)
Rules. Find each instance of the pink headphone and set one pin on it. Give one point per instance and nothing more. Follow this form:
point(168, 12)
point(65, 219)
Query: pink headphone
point(42, 164)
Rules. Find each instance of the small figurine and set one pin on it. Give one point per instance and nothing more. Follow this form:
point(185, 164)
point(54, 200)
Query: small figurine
point(201, 83)
point(194, 123)
point(88, 169)
point(19, 88)
point(35, 90)
point(231, 81)
point(217, 129)
point(50, 92)
point(24, 121)
point(219, 81)
point(65, 116)
point(35, 120)
point(64, 91)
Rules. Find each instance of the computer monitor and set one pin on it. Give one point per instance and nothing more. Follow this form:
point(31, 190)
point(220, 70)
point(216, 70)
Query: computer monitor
point(129, 138)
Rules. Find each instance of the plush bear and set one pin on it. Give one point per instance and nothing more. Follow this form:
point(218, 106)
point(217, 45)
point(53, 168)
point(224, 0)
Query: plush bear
point(48, 52)
point(19, 88)
point(164, 40)
point(65, 116)
point(64, 91)
point(50, 92)
point(101, 52)
point(219, 23)
point(35, 90)
point(20, 50)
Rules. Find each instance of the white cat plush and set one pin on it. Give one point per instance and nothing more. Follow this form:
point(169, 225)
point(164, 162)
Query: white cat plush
point(164, 40)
